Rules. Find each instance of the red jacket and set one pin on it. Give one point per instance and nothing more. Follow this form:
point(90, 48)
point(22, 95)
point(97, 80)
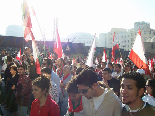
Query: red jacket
point(50, 108)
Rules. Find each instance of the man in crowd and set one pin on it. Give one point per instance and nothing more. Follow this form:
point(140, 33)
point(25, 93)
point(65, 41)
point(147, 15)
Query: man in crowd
point(7, 74)
point(23, 91)
point(54, 77)
point(127, 68)
point(112, 82)
point(110, 65)
point(117, 71)
point(60, 64)
point(63, 95)
point(96, 100)
point(103, 65)
point(132, 90)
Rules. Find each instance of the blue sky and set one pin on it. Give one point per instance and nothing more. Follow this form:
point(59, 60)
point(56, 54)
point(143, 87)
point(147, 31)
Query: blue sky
point(92, 16)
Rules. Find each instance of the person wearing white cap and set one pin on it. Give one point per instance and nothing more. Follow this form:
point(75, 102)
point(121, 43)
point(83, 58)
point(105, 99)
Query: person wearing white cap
point(141, 71)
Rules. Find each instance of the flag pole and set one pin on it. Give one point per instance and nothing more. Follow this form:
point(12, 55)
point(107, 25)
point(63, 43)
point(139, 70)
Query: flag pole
point(40, 31)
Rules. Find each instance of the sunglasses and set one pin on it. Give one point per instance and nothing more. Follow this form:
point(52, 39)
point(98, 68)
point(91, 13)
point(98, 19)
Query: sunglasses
point(83, 91)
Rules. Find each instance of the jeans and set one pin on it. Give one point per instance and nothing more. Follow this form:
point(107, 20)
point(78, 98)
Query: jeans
point(22, 110)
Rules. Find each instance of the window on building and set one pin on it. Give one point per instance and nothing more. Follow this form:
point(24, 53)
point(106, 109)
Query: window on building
point(124, 40)
point(153, 33)
point(122, 36)
point(128, 40)
point(152, 46)
point(144, 32)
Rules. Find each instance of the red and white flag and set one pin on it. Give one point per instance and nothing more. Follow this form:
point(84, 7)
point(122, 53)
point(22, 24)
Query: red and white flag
point(57, 44)
point(89, 61)
point(115, 46)
point(137, 54)
point(28, 33)
point(36, 54)
point(104, 57)
point(18, 55)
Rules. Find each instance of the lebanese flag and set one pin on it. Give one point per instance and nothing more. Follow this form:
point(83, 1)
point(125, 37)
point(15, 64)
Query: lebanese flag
point(36, 54)
point(27, 31)
point(89, 61)
point(137, 54)
point(57, 45)
point(18, 55)
point(115, 46)
point(104, 57)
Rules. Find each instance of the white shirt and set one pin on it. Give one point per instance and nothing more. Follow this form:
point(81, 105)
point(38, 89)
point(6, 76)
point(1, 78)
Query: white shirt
point(56, 79)
point(149, 99)
point(98, 100)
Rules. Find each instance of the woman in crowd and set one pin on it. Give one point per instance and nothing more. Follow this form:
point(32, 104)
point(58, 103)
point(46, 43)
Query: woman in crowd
point(75, 99)
point(43, 105)
point(150, 90)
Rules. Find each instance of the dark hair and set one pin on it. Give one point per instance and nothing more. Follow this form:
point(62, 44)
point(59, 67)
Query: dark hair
point(87, 78)
point(119, 66)
point(46, 70)
point(22, 66)
point(108, 70)
point(140, 81)
point(79, 70)
point(14, 67)
point(9, 58)
point(72, 86)
point(110, 64)
point(42, 82)
point(49, 61)
point(151, 83)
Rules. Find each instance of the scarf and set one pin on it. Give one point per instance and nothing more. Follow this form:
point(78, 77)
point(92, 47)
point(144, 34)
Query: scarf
point(78, 109)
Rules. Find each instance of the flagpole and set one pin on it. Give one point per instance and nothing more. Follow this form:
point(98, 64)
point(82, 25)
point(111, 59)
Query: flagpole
point(40, 31)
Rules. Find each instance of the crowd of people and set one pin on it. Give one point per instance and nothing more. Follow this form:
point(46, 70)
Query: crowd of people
point(66, 88)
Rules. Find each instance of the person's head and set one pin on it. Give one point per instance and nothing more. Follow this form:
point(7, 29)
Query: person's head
point(117, 68)
point(21, 69)
point(13, 69)
point(98, 67)
point(110, 66)
point(66, 70)
point(72, 90)
point(150, 87)
point(41, 87)
point(60, 62)
point(87, 83)
point(103, 65)
point(106, 73)
point(127, 68)
point(3, 51)
point(9, 59)
point(132, 88)
point(46, 71)
point(47, 63)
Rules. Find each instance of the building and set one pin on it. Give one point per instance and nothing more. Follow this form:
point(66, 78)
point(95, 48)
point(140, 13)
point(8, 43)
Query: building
point(81, 37)
point(125, 38)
